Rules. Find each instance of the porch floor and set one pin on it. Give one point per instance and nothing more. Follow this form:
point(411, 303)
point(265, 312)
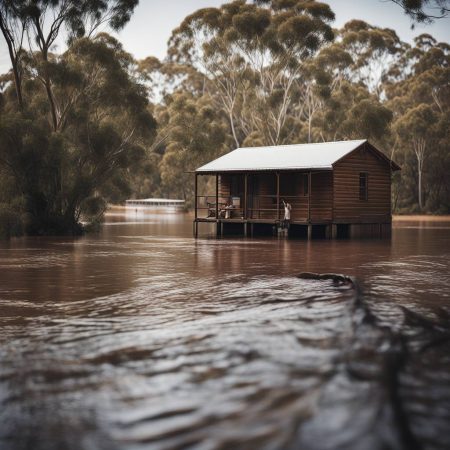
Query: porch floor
point(269, 221)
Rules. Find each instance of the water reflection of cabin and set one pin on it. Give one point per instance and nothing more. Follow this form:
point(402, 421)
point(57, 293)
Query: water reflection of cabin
point(336, 189)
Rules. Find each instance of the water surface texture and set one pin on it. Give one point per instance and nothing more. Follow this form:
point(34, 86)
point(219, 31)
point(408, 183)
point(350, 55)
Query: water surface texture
point(141, 337)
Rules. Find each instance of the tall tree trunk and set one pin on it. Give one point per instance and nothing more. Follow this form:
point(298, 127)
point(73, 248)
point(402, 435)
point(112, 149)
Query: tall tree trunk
point(51, 100)
point(14, 58)
point(420, 188)
point(419, 149)
point(309, 129)
point(48, 90)
point(44, 45)
point(233, 130)
point(18, 84)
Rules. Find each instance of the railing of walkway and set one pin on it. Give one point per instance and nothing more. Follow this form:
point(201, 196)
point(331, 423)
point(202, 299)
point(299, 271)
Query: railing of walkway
point(259, 207)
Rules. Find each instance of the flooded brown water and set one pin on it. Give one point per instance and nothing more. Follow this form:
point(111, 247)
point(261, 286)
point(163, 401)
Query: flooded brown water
point(141, 337)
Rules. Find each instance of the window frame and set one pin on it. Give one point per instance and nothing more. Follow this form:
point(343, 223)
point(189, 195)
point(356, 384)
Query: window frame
point(364, 188)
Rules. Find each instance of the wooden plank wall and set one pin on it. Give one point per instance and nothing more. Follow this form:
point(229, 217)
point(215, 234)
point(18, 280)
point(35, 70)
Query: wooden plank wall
point(225, 194)
point(291, 185)
point(264, 207)
point(347, 206)
point(321, 196)
point(224, 188)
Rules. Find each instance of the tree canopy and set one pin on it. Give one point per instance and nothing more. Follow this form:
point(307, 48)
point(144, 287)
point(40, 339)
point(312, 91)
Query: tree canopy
point(71, 124)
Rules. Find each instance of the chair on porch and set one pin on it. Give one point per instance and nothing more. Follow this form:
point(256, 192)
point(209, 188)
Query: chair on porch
point(212, 208)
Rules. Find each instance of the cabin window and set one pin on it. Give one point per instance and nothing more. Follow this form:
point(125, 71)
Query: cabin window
point(363, 186)
point(305, 178)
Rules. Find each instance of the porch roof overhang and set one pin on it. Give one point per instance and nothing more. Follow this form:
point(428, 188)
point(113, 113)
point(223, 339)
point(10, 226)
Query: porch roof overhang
point(244, 171)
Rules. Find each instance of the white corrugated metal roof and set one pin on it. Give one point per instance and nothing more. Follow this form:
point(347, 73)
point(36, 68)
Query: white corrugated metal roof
point(298, 156)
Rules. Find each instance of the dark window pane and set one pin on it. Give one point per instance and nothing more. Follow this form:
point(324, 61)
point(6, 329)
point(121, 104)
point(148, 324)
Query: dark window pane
point(363, 186)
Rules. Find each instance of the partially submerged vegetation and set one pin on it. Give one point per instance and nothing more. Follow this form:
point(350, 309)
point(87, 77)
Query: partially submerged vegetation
point(72, 125)
point(92, 125)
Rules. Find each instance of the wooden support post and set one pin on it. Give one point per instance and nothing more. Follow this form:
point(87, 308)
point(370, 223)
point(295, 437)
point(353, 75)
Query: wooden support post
point(217, 196)
point(333, 231)
point(244, 215)
point(195, 205)
point(245, 229)
point(309, 199)
point(278, 196)
point(195, 228)
point(309, 231)
point(195, 196)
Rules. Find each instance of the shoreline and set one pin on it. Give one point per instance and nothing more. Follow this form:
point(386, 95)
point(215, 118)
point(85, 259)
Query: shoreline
point(420, 217)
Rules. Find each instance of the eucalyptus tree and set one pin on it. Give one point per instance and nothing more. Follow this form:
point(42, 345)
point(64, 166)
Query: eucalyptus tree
point(197, 133)
point(418, 93)
point(43, 21)
point(373, 51)
point(66, 174)
point(340, 105)
point(109, 125)
point(416, 128)
point(319, 79)
point(31, 27)
point(351, 112)
point(71, 124)
point(163, 78)
point(253, 54)
point(13, 25)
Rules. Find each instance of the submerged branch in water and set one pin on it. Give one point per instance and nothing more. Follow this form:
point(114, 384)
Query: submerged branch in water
point(336, 278)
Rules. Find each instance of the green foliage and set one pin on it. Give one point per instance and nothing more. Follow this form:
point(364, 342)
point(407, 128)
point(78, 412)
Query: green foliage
point(420, 98)
point(12, 217)
point(253, 57)
point(195, 133)
point(103, 125)
point(367, 118)
point(11, 221)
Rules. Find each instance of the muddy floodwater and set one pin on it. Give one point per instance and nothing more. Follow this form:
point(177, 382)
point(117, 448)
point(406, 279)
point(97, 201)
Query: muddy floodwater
point(141, 337)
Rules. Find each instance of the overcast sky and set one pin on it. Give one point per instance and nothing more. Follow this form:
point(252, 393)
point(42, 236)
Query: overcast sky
point(153, 20)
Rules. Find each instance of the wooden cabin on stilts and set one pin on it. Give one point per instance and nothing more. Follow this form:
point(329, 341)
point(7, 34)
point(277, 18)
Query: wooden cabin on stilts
point(335, 189)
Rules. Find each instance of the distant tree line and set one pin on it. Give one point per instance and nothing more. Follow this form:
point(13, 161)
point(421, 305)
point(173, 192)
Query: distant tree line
point(275, 72)
point(92, 125)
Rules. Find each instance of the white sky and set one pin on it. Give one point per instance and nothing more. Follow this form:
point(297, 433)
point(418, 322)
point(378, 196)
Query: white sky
point(153, 20)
